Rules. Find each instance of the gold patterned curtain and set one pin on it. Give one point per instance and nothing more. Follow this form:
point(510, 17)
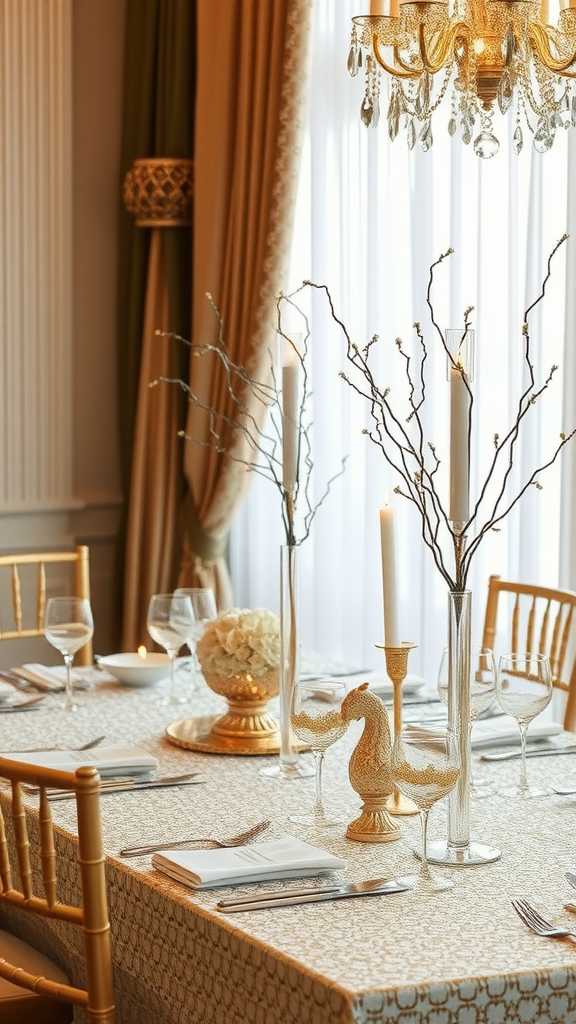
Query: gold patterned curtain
point(251, 76)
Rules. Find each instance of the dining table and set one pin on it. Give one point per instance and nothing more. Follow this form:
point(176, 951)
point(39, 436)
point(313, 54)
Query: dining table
point(460, 956)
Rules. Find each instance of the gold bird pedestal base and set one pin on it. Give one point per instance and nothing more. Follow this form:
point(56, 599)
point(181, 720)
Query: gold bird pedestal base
point(374, 825)
point(397, 669)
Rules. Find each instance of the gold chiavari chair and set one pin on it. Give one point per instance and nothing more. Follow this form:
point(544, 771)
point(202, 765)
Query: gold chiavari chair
point(19, 629)
point(541, 621)
point(30, 991)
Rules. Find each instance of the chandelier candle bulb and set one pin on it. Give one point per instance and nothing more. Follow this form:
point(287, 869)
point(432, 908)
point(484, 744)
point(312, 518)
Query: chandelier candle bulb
point(459, 448)
point(389, 575)
point(290, 415)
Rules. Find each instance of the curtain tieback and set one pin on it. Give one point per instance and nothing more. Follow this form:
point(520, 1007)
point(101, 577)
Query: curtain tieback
point(158, 192)
point(202, 543)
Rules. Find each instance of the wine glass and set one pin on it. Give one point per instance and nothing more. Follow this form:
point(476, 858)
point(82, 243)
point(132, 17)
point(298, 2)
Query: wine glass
point(425, 767)
point(170, 623)
point(204, 608)
point(523, 690)
point(68, 625)
point(316, 720)
point(482, 692)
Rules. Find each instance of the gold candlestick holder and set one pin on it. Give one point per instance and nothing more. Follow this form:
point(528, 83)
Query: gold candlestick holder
point(397, 668)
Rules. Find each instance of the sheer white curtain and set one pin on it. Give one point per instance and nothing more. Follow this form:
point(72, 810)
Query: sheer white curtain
point(372, 218)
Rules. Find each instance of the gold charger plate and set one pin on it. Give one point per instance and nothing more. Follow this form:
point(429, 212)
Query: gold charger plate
point(196, 734)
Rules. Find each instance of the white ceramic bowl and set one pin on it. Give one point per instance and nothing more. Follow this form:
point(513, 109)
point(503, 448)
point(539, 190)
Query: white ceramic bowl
point(132, 670)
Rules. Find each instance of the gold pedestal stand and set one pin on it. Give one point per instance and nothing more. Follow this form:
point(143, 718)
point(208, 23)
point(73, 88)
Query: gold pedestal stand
point(397, 668)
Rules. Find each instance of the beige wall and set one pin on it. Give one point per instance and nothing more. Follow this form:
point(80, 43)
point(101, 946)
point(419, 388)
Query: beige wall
point(71, 494)
point(97, 45)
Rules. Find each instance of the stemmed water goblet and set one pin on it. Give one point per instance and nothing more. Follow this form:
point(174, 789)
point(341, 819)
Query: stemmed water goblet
point(482, 693)
point(316, 719)
point(68, 625)
point(425, 767)
point(204, 608)
point(170, 623)
point(523, 690)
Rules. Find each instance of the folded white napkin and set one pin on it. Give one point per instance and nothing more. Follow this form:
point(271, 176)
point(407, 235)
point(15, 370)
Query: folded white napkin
point(6, 691)
point(47, 677)
point(282, 858)
point(109, 761)
point(503, 731)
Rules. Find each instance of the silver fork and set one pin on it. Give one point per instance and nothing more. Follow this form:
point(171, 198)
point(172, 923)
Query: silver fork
point(42, 750)
point(237, 840)
point(538, 924)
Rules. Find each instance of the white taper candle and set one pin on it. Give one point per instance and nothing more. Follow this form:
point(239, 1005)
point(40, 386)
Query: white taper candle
point(459, 454)
point(290, 416)
point(389, 576)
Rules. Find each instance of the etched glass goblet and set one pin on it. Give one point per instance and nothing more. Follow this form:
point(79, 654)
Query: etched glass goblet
point(425, 767)
point(317, 721)
point(482, 694)
point(204, 608)
point(170, 623)
point(68, 625)
point(523, 690)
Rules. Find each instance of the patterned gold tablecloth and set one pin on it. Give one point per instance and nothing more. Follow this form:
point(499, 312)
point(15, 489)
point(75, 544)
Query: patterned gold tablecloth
point(459, 957)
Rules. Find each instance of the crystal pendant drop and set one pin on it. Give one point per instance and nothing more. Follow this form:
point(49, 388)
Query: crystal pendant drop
point(353, 62)
point(366, 111)
point(466, 130)
point(422, 101)
point(508, 47)
point(505, 92)
point(543, 136)
point(452, 127)
point(375, 111)
point(426, 138)
point(573, 111)
point(518, 139)
point(411, 133)
point(393, 116)
point(486, 145)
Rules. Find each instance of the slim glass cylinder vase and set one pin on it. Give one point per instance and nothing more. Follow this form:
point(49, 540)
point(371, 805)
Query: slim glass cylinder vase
point(458, 848)
point(290, 764)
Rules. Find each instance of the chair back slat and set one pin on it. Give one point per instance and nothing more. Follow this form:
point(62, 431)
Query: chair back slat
point(530, 626)
point(41, 595)
point(22, 841)
point(5, 872)
point(47, 849)
point(17, 598)
point(515, 622)
point(31, 624)
point(549, 615)
point(92, 917)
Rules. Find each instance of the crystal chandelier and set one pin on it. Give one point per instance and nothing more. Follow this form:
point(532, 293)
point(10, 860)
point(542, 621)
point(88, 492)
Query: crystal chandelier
point(484, 55)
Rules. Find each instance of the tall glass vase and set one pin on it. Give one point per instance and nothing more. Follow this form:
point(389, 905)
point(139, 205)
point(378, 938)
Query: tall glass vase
point(290, 764)
point(458, 848)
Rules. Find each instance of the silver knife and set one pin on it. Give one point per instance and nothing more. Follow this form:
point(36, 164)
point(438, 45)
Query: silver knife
point(509, 755)
point(126, 787)
point(8, 709)
point(267, 900)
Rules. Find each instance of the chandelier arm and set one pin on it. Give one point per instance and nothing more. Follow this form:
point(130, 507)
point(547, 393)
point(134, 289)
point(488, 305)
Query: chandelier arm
point(444, 49)
point(403, 71)
point(540, 42)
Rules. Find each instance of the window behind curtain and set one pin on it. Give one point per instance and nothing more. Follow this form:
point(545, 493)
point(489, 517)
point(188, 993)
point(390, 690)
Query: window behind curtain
point(371, 219)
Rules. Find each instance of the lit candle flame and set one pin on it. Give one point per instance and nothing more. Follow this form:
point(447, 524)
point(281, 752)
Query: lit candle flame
point(142, 652)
